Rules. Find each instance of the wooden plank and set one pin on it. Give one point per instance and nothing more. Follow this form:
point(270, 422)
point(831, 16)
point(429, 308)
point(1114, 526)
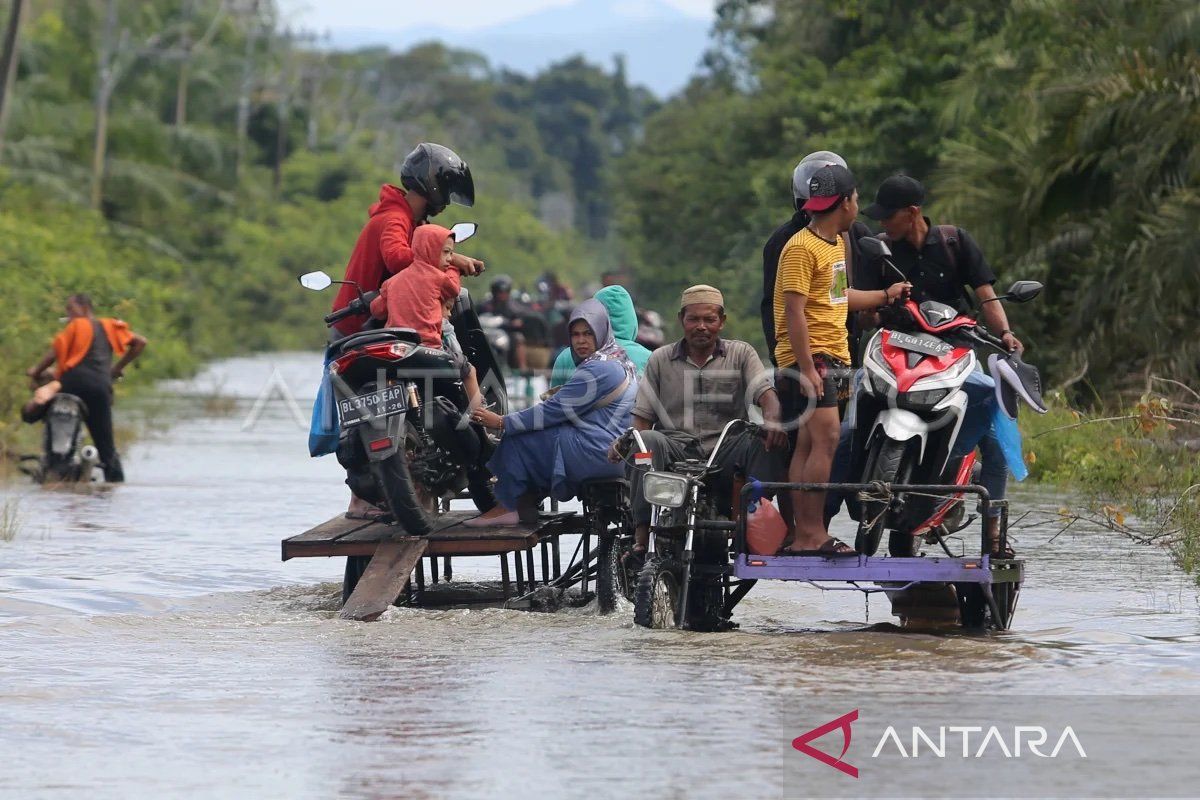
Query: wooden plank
point(383, 579)
point(328, 531)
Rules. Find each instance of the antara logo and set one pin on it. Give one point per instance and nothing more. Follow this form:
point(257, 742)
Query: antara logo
point(801, 743)
point(975, 741)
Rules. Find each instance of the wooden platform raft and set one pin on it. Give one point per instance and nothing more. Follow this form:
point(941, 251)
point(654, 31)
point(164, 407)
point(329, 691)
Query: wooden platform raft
point(396, 560)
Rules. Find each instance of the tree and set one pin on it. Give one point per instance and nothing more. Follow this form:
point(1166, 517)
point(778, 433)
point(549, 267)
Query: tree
point(8, 62)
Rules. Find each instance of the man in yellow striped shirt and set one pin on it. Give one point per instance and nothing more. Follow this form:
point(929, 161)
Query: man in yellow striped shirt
point(812, 300)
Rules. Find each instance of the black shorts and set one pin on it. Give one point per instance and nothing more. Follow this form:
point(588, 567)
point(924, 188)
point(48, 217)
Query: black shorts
point(794, 399)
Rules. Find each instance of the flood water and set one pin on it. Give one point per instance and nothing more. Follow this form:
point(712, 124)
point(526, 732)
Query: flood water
point(152, 643)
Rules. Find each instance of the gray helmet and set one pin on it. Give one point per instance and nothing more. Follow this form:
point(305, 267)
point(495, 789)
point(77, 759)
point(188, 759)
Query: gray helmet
point(807, 167)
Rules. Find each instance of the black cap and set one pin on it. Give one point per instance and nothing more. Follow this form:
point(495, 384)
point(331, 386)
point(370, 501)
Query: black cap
point(828, 186)
point(895, 193)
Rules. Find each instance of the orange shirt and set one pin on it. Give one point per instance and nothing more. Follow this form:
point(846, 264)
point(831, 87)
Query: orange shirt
point(72, 342)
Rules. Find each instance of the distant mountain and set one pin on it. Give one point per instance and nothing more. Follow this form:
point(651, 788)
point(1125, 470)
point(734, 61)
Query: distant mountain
point(661, 44)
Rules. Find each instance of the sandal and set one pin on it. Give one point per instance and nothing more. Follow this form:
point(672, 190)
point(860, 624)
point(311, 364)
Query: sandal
point(832, 548)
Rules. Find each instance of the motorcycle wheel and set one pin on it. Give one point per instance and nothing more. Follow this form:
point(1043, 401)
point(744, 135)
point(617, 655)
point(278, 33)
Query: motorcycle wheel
point(903, 545)
point(479, 486)
point(885, 464)
point(611, 578)
point(656, 598)
point(406, 504)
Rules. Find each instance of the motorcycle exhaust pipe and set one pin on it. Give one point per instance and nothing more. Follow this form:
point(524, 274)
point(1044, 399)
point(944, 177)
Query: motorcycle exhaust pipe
point(89, 455)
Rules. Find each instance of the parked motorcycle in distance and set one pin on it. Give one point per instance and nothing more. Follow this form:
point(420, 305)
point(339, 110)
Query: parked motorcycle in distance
point(65, 458)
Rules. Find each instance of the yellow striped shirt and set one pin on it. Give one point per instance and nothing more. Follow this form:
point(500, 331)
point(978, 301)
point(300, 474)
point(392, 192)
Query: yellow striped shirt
point(813, 267)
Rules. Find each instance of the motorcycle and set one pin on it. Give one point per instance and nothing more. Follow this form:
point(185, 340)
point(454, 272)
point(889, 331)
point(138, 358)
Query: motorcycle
point(406, 439)
point(684, 582)
point(65, 458)
point(910, 409)
point(651, 330)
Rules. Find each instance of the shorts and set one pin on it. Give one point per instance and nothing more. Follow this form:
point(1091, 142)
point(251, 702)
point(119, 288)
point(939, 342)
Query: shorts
point(794, 400)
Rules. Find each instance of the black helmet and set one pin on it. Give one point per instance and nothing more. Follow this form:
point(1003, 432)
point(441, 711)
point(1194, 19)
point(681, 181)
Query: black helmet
point(502, 283)
point(439, 175)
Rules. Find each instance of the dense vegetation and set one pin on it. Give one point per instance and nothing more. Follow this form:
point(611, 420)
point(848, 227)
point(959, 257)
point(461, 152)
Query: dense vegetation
point(183, 160)
point(1065, 136)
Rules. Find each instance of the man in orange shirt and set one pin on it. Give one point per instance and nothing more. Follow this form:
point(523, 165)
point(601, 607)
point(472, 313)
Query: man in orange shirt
point(83, 352)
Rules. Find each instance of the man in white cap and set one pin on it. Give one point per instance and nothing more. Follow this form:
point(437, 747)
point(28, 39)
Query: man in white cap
point(689, 391)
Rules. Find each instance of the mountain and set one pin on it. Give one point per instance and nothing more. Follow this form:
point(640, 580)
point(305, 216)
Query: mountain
point(662, 45)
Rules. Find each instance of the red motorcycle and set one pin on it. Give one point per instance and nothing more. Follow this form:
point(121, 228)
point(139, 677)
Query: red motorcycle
point(910, 409)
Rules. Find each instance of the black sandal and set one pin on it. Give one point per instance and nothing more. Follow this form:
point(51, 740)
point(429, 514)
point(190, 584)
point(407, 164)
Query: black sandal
point(832, 548)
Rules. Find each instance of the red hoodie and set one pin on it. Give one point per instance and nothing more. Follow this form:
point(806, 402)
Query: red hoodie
point(384, 248)
point(413, 298)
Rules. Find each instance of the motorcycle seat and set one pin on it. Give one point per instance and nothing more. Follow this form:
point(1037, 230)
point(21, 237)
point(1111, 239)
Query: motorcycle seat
point(364, 338)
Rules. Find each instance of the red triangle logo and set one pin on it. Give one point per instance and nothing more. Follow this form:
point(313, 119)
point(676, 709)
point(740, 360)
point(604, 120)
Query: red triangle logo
point(801, 743)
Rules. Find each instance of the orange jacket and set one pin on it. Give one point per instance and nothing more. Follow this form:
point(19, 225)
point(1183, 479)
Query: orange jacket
point(412, 298)
point(73, 341)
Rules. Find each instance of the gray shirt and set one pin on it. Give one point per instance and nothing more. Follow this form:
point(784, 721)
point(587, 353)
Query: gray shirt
point(676, 394)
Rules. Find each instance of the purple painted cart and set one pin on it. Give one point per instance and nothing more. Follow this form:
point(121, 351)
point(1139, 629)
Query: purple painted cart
point(979, 591)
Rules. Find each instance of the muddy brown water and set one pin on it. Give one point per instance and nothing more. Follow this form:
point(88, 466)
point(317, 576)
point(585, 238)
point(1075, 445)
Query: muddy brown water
point(152, 643)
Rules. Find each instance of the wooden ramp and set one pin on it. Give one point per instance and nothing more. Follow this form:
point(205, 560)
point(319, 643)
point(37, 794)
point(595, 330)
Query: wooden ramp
point(383, 579)
point(397, 558)
point(346, 537)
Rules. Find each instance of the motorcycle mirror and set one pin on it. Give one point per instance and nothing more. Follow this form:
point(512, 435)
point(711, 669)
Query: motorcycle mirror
point(1024, 291)
point(463, 231)
point(874, 247)
point(316, 281)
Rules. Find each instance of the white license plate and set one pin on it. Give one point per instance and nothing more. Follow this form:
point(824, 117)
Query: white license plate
point(380, 404)
point(919, 344)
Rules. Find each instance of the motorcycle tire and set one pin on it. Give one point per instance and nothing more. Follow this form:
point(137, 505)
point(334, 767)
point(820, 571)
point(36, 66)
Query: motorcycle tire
point(886, 463)
point(656, 598)
point(396, 484)
point(481, 490)
point(610, 571)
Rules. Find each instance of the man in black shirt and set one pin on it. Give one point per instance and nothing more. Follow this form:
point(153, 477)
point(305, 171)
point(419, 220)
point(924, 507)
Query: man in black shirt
point(774, 248)
point(940, 261)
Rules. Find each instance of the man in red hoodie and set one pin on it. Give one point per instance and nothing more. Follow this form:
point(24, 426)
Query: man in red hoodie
point(432, 177)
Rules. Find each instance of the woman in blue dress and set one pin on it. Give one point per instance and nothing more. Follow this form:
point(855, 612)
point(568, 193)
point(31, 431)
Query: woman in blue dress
point(552, 447)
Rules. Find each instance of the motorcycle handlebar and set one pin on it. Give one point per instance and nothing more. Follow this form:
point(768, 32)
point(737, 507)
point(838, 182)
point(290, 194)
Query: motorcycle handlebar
point(359, 305)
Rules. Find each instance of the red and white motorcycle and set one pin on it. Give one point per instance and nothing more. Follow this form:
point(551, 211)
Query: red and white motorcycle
point(910, 408)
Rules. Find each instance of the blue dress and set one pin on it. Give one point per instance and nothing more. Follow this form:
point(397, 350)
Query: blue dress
point(554, 446)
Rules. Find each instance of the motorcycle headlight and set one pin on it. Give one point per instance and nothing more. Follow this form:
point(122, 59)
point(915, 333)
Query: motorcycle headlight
point(922, 400)
point(665, 489)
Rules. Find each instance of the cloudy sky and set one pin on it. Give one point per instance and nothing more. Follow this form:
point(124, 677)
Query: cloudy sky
point(459, 14)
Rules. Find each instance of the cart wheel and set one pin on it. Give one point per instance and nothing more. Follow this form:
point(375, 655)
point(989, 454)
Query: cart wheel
point(610, 573)
point(355, 567)
point(656, 599)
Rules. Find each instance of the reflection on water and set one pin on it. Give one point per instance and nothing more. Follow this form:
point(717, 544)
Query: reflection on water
point(153, 643)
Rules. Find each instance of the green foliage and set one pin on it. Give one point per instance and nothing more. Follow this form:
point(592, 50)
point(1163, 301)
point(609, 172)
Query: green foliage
point(238, 157)
point(1064, 136)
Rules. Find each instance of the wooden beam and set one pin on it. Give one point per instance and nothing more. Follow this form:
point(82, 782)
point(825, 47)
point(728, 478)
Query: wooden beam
point(383, 579)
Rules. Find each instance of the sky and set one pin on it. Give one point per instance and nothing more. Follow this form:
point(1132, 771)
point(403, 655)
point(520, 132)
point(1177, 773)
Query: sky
point(457, 14)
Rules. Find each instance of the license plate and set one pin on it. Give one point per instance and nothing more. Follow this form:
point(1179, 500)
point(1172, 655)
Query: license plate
point(919, 344)
point(379, 404)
